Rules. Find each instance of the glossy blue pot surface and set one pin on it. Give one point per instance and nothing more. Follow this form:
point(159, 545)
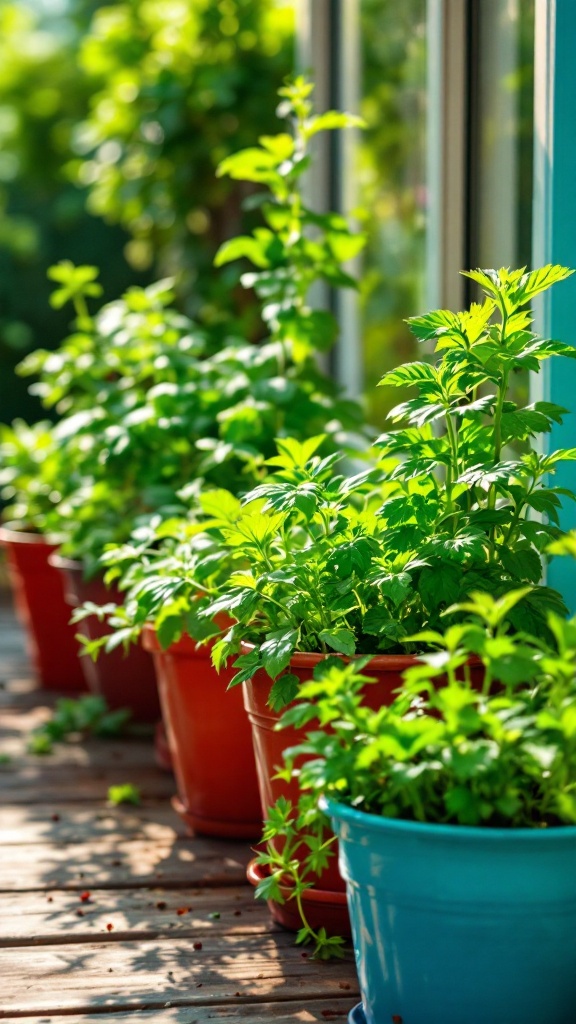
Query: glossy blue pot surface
point(456, 925)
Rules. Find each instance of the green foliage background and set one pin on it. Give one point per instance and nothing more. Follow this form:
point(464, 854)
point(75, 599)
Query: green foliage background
point(112, 121)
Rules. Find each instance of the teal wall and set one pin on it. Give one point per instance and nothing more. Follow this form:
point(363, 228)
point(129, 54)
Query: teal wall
point(555, 233)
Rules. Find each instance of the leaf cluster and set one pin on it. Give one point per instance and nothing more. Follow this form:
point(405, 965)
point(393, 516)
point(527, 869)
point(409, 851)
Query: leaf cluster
point(31, 475)
point(297, 246)
point(502, 754)
point(359, 565)
point(172, 94)
point(88, 716)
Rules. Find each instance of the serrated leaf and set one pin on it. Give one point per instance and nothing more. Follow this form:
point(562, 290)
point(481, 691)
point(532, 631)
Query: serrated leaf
point(440, 585)
point(523, 564)
point(283, 691)
point(409, 374)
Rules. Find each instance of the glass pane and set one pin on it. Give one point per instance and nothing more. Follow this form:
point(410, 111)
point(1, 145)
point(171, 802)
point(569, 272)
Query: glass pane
point(502, 137)
point(391, 185)
point(502, 134)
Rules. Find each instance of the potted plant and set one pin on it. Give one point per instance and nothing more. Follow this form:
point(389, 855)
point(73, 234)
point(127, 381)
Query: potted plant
point(165, 572)
point(358, 566)
point(30, 477)
point(112, 382)
point(456, 819)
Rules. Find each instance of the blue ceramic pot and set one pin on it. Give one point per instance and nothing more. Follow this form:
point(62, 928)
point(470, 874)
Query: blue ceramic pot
point(456, 925)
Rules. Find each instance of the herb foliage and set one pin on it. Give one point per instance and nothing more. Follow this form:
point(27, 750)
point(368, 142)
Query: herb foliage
point(500, 754)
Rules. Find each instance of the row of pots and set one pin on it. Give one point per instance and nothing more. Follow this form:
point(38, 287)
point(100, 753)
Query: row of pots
point(451, 925)
point(199, 718)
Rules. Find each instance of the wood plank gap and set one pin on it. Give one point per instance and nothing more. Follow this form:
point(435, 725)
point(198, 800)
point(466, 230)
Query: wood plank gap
point(213, 882)
point(180, 1002)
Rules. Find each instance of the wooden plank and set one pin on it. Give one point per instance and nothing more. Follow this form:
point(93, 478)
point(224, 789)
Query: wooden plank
point(75, 770)
point(75, 823)
point(38, 783)
point(116, 976)
point(102, 864)
point(36, 919)
point(18, 688)
point(79, 752)
point(317, 1010)
point(17, 726)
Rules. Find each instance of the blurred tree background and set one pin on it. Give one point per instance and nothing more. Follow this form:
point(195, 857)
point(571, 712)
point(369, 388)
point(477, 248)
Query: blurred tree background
point(112, 121)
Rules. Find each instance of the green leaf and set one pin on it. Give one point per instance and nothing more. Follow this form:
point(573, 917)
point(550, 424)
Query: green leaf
point(242, 246)
point(433, 324)
point(247, 665)
point(277, 650)
point(537, 281)
point(283, 691)
point(523, 564)
point(330, 120)
point(124, 794)
point(169, 629)
point(409, 374)
point(440, 585)
point(341, 640)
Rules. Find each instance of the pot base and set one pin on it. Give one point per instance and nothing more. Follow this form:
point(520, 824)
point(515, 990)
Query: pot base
point(357, 1015)
point(323, 908)
point(212, 827)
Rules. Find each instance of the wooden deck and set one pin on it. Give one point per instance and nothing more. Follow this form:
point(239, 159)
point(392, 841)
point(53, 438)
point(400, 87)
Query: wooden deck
point(170, 932)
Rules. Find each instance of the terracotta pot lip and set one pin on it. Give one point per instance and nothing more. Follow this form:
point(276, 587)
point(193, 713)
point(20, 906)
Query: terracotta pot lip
point(255, 873)
point(14, 532)
point(383, 662)
point(62, 562)
point(185, 645)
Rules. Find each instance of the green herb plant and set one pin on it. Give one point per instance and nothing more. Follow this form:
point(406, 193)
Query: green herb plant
point(86, 716)
point(148, 404)
point(125, 793)
point(360, 565)
point(32, 474)
point(500, 754)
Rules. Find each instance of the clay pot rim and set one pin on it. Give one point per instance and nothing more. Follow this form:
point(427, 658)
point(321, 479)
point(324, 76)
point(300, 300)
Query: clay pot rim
point(62, 562)
point(381, 662)
point(255, 873)
point(185, 646)
point(14, 532)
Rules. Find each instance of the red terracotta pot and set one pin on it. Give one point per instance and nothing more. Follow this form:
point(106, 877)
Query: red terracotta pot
point(324, 908)
point(125, 680)
point(209, 739)
point(328, 910)
point(39, 600)
point(162, 755)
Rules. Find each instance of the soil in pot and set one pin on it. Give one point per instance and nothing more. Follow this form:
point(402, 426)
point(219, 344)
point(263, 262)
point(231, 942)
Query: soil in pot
point(125, 680)
point(210, 741)
point(38, 591)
